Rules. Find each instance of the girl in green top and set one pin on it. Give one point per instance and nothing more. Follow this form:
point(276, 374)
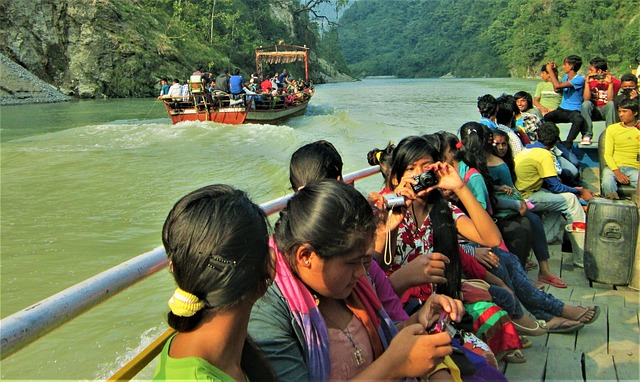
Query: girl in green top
point(217, 242)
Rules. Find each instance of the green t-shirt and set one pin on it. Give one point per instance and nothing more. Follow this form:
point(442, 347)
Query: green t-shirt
point(548, 97)
point(188, 368)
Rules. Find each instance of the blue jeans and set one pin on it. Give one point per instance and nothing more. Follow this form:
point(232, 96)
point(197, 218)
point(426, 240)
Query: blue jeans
point(506, 301)
point(542, 305)
point(554, 206)
point(538, 242)
point(609, 182)
point(590, 112)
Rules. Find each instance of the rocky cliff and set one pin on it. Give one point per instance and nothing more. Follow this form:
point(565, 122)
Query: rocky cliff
point(116, 48)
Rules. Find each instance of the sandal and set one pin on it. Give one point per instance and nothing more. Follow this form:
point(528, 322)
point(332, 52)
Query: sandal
point(515, 356)
point(596, 314)
point(537, 331)
point(553, 281)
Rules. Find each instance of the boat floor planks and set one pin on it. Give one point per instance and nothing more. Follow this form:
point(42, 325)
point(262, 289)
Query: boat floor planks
point(608, 349)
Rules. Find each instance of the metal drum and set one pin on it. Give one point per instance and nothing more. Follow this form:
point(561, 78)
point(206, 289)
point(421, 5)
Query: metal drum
point(610, 241)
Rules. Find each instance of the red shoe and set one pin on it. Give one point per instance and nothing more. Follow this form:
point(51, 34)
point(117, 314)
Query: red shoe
point(553, 281)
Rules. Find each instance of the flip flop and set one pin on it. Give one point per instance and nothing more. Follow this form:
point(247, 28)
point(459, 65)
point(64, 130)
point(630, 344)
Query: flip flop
point(596, 314)
point(562, 328)
point(553, 281)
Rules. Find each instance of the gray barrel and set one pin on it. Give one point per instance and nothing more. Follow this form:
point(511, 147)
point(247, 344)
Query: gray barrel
point(610, 241)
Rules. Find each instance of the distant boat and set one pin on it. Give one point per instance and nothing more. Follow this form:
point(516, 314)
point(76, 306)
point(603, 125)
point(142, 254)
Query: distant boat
point(222, 107)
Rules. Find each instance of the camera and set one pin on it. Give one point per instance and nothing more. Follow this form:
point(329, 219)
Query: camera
point(626, 92)
point(392, 201)
point(425, 180)
point(598, 76)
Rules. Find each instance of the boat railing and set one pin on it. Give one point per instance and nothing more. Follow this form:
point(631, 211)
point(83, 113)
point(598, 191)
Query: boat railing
point(28, 325)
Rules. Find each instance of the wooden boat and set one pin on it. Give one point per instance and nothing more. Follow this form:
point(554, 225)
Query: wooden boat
point(222, 107)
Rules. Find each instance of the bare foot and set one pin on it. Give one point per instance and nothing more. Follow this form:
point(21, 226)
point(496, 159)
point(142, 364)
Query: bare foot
point(580, 313)
point(523, 208)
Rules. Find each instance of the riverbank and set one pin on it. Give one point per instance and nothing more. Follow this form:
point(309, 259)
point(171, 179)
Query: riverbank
point(18, 86)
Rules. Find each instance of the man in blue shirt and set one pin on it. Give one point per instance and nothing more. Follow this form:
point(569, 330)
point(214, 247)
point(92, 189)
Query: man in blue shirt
point(235, 82)
point(572, 87)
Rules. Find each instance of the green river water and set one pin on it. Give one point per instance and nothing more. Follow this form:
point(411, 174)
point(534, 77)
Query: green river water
point(86, 185)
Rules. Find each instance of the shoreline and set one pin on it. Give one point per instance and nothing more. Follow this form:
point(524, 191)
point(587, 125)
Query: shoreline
point(18, 86)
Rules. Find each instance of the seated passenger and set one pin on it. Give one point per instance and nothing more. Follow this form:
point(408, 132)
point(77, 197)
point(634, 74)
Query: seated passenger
point(599, 93)
point(622, 150)
point(572, 88)
point(506, 118)
point(537, 180)
point(628, 89)
point(175, 89)
point(321, 320)
point(217, 243)
point(546, 99)
point(527, 117)
point(488, 108)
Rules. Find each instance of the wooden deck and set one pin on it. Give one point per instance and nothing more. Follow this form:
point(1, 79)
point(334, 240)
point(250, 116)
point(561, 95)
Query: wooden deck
point(608, 349)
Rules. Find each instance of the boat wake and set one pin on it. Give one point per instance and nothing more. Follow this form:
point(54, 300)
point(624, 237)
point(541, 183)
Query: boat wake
point(107, 370)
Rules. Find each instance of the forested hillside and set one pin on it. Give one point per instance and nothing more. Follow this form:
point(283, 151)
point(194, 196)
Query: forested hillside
point(122, 48)
point(486, 38)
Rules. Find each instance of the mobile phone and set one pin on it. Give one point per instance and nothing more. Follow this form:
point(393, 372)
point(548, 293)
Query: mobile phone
point(442, 325)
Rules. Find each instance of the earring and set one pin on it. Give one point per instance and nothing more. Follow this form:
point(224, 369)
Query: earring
point(306, 262)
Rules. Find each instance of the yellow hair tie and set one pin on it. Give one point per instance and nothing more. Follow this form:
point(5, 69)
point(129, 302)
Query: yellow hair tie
point(378, 155)
point(185, 304)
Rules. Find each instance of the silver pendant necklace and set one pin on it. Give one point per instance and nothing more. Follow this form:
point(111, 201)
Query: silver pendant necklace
point(357, 355)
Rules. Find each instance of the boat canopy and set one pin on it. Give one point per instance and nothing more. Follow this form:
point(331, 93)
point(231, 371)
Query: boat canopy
point(282, 54)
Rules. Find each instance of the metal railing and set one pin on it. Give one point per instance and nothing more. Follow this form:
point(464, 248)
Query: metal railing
point(30, 324)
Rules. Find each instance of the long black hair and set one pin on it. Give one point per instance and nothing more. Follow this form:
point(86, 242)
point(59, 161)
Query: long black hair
point(476, 141)
point(314, 161)
point(508, 158)
point(217, 241)
point(330, 216)
point(383, 158)
point(445, 234)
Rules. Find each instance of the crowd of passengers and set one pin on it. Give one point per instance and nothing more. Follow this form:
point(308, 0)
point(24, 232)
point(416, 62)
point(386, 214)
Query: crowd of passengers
point(279, 89)
point(422, 279)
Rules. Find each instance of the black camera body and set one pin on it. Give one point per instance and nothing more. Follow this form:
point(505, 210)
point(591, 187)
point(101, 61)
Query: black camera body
point(424, 181)
point(598, 76)
point(626, 92)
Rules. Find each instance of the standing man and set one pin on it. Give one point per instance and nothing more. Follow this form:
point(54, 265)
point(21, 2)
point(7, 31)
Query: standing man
point(572, 87)
point(236, 83)
point(598, 97)
point(222, 81)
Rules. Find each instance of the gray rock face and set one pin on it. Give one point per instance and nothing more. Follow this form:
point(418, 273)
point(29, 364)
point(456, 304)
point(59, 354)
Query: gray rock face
point(19, 86)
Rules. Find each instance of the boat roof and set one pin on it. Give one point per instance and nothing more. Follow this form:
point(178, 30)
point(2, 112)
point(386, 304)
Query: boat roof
point(281, 54)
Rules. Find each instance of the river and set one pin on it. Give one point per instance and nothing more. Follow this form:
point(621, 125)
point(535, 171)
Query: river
point(86, 185)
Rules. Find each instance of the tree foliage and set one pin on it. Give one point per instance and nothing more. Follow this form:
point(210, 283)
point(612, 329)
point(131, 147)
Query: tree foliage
point(479, 38)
